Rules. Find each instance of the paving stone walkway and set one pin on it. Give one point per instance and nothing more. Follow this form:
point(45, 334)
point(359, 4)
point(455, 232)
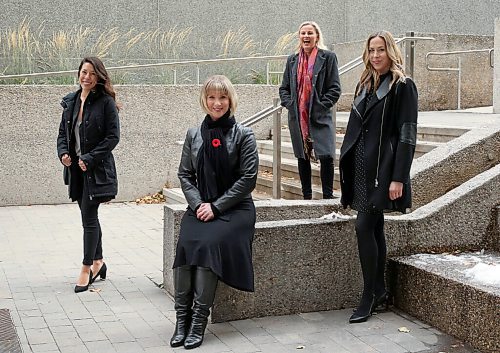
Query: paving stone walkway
point(40, 258)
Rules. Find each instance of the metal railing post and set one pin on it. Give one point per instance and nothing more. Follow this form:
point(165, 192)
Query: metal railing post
point(276, 151)
point(267, 73)
point(459, 89)
point(334, 121)
point(175, 76)
point(410, 54)
point(197, 74)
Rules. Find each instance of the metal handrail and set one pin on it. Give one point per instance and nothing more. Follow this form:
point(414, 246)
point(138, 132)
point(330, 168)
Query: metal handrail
point(359, 60)
point(142, 66)
point(457, 69)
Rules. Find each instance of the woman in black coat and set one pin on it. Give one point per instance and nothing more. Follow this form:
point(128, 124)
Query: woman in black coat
point(376, 157)
point(88, 132)
point(218, 171)
point(310, 88)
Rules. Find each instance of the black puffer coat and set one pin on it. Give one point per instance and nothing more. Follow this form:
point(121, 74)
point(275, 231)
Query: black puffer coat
point(389, 124)
point(99, 135)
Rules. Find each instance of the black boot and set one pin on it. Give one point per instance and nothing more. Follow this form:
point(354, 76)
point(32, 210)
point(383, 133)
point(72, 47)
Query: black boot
point(205, 284)
point(183, 278)
point(327, 174)
point(364, 310)
point(304, 166)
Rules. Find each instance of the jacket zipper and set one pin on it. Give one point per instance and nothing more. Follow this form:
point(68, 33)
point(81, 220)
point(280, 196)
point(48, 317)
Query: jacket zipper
point(380, 142)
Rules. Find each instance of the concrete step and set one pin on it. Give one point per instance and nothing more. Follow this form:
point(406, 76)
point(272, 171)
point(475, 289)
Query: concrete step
point(176, 196)
point(290, 187)
point(424, 133)
point(289, 169)
point(265, 147)
point(456, 293)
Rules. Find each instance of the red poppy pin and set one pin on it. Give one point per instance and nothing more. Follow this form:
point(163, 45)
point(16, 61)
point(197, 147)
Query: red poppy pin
point(216, 143)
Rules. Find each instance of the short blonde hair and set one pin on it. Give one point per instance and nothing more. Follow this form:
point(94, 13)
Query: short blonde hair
point(394, 54)
point(321, 43)
point(218, 83)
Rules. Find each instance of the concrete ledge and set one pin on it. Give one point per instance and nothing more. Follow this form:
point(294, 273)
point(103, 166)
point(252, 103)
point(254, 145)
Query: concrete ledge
point(455, 162)
point(436, 289)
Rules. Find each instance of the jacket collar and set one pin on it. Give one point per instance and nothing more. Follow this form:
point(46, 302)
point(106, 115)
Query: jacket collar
point(318, 64)
point(382, 91)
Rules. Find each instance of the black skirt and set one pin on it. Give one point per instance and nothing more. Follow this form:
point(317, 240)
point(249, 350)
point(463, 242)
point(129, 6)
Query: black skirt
point(224, 244)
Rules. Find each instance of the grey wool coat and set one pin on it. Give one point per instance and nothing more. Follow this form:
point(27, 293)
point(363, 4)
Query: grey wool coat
point(326, 92)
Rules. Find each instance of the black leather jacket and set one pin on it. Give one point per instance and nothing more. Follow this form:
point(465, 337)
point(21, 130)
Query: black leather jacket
point(243, 159)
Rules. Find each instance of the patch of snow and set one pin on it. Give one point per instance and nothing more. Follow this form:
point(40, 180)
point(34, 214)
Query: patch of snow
point(335, 216)
point(487, 274)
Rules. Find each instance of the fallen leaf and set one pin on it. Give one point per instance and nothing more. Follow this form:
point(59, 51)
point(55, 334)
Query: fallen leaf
point(403, 329)
point(300, 347)
point(96, 290)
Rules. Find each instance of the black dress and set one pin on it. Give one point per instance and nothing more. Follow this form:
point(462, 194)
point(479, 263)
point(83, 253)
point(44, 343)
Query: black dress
point(360, 199)
point(224, 244)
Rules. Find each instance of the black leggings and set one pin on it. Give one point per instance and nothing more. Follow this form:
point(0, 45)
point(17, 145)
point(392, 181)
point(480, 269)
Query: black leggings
point(92, 234)
point(326, 173)
point(372, 252)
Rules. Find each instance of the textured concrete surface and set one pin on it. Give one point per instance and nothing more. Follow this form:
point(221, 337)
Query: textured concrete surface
point(40, 259)
point(309, 256)
point(439, 290)
point(496, 74)
point(152, 120)
point(437, 89)
point(340, 21)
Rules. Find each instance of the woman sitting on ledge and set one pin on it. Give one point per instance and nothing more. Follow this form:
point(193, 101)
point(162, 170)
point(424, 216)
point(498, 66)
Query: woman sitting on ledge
point(218, 171)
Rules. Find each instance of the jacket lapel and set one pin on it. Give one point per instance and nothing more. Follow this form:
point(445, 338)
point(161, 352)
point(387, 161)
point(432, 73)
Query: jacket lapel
point(318, 64)
point(382, 91)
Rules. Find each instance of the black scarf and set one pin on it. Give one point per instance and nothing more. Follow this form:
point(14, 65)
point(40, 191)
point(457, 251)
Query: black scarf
point(213, 174)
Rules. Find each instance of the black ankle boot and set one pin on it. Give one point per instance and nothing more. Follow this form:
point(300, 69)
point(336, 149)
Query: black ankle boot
point(205, 284)
point(382, 302)
point(364, 310)
point(183, 303)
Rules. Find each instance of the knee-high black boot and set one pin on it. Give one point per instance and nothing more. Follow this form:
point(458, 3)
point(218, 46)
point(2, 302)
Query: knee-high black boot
point(183, 284)
point(327, 174)
point(304, 166)
point(205, 284)
point(367, 247)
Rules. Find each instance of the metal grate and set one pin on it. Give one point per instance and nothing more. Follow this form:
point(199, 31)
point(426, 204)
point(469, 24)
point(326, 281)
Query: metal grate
point(9, 342)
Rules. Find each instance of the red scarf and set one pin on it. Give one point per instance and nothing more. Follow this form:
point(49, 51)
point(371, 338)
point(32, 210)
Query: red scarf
point(304, 79)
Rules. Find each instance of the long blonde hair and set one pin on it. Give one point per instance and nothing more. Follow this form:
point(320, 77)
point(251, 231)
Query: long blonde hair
point(369, 74)
point(321, 43)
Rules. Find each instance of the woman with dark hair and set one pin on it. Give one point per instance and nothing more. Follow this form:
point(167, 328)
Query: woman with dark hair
point(218, 171)
point(376, 157)
point(310, 88)
point(88, 133)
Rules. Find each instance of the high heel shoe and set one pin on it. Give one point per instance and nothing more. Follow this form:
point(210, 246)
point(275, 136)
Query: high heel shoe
point(79, 289)
point(101, 273)
point(363, 312)
point(382, 302)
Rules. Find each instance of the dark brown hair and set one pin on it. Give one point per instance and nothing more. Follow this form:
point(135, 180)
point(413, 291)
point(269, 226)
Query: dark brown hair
point(103, 79)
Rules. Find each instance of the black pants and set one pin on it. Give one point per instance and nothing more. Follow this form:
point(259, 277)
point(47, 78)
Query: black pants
point(92, 234)
point(372, 252)
point(326, 173)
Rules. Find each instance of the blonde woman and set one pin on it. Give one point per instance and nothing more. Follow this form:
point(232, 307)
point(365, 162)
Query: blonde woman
point(376, 157)
point(309, 89)
point(217, 172)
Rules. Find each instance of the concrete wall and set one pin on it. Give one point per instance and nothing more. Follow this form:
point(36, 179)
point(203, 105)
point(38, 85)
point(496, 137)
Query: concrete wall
point(437, 89)
point(496, 88)
point(341, 21)
point(153, 119)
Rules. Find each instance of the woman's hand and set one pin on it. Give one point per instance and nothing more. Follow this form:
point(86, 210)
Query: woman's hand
point(395, 190)
point(82, 165)
point(66, 160)
point(204, 212)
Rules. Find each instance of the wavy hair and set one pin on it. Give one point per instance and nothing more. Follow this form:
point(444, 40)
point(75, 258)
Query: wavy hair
point(320, 44)
point(369, 75)
point(103, 79)
point(219, 83)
